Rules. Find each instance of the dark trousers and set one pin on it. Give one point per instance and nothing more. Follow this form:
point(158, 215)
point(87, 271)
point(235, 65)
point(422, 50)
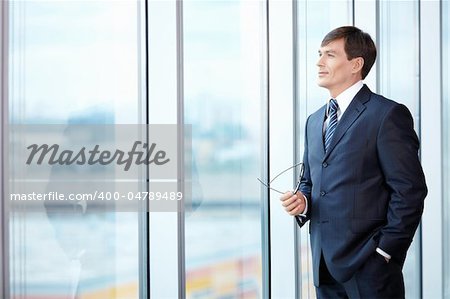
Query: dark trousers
point(375, 279)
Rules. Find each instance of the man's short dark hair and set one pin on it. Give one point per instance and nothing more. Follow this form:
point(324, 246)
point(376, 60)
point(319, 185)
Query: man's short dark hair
point(357, 43)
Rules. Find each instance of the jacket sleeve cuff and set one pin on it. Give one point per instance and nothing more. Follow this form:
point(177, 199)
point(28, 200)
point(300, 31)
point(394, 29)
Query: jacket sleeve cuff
point(305, 211)
point(301, 217)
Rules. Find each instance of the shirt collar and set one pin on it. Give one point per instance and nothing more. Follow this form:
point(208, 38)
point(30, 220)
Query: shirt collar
point(344, 98)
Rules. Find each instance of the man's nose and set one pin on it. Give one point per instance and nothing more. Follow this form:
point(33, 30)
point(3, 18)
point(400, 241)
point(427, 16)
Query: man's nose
point(319, 61)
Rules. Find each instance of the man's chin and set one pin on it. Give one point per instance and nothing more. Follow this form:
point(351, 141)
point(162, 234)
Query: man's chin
point(321, 83)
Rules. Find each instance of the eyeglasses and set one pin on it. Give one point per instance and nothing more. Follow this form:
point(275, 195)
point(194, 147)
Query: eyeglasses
point(297, 186)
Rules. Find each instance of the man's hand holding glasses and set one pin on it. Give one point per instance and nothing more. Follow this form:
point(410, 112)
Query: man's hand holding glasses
point(294, 204)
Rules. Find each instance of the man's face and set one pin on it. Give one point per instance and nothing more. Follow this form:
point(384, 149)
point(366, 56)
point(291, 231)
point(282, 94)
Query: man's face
point(336, 72)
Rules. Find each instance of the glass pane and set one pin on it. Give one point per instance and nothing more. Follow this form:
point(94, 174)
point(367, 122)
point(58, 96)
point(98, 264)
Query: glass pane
point(446, 141)
point(223, 45)
point(74, 62)
point(315, 19)
point(399, 80)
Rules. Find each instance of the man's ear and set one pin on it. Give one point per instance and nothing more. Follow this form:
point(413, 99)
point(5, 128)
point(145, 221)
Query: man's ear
point(358, 63)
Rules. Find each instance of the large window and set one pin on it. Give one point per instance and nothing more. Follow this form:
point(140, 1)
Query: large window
point(397, 78)
point(73, 62)
point(223, 67)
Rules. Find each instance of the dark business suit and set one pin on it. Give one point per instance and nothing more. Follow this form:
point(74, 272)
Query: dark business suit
point(367, 190)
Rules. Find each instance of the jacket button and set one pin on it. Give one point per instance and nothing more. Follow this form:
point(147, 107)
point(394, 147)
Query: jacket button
point(325, 164)
point(322, 193)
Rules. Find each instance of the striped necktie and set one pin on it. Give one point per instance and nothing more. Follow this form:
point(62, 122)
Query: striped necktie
point(332, 115)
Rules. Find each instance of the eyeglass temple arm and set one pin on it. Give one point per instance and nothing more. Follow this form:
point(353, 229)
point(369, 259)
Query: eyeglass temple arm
point(295, 165)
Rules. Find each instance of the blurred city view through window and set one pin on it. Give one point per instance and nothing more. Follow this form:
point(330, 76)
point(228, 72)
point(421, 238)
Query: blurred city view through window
point(223, 47)
point(77, 62)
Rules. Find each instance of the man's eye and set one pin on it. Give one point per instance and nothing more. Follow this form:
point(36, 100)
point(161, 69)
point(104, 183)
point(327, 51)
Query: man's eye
point(330, 55)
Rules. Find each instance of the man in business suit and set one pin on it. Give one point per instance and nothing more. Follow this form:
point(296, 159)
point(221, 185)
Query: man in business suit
point(363, 187)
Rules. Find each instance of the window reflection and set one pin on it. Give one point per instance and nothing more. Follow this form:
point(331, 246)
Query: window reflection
point(73, 62)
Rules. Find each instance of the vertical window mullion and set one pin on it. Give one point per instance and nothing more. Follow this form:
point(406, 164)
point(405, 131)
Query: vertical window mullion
point(163, 105)
point(4, 220)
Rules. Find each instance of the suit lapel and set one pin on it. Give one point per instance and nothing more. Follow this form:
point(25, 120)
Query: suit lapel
point(352, 113)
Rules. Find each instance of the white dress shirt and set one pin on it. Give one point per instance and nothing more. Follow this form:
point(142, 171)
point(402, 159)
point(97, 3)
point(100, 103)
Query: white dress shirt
point(344, 99)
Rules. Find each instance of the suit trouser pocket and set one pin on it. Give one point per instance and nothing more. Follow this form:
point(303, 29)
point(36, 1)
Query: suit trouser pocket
point(377, 279)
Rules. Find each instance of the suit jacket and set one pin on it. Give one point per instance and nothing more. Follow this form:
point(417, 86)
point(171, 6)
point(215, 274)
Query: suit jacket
point(368, 190)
